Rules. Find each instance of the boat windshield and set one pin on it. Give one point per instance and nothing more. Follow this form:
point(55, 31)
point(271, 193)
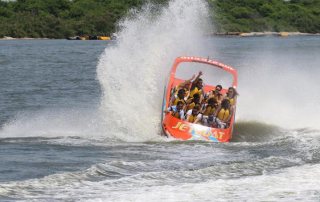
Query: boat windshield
point(212, 75)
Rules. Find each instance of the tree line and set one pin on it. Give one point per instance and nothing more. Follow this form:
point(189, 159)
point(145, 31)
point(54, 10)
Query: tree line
point(61, 18)
point(266, 15)
point(64, 18)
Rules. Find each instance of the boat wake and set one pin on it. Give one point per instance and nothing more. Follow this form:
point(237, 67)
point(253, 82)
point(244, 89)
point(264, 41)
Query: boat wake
point(222, 165)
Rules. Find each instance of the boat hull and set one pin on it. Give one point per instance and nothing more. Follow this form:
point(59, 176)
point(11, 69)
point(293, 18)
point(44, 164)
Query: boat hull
point(184, 130)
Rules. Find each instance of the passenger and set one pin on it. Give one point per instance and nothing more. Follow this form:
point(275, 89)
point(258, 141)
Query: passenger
point(185, 85)
point(196, 86)
point(179, 97)
point(207, 118)
point(211, 107)
point(177, 110)
point(224, 112)
point(193, 115)
point(192, 102)
point(211, 121)
point(216, 93)
point(231, 95)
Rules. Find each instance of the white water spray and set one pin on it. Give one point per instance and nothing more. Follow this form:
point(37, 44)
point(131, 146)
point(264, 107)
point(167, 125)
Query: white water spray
point(132, 74)
point(282, 91)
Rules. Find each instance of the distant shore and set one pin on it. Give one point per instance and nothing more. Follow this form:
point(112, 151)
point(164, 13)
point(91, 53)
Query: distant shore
point(254, 34)
point(239, 34)
point(102, 38)
point(23, 38)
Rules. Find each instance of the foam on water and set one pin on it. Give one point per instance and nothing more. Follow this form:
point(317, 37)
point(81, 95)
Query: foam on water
point(233, 172)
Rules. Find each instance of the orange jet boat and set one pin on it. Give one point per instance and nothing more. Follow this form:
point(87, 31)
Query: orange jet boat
point(183, 130)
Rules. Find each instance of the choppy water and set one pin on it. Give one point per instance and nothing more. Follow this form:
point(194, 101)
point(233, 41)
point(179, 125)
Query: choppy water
point(79, 120)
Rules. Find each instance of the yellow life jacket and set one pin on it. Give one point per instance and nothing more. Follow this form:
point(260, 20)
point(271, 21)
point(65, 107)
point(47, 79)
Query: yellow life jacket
point(194, 91)
point(191, 106)
point(209, 110)
point(231, 100)
point(192, 118)
point(175, 102)
point(223, 114)
point(177, 88)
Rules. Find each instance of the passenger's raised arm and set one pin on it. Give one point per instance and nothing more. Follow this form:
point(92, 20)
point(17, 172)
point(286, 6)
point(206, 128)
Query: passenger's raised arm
point(193, 76)
point(196, 79)
point(196, 86)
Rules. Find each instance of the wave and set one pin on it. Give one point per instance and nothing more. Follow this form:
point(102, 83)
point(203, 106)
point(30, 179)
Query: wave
point(254, 131)
point(227, 163)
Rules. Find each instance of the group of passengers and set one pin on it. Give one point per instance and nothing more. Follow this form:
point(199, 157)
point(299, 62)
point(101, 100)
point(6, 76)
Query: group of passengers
point(189, 102)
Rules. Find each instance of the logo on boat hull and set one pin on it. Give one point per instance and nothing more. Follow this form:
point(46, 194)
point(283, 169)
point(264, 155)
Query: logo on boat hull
point(200, 132)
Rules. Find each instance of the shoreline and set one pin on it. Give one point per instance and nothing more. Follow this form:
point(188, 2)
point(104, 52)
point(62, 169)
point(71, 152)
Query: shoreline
point(260, 34)
point(23, 38)
point(229, 34)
